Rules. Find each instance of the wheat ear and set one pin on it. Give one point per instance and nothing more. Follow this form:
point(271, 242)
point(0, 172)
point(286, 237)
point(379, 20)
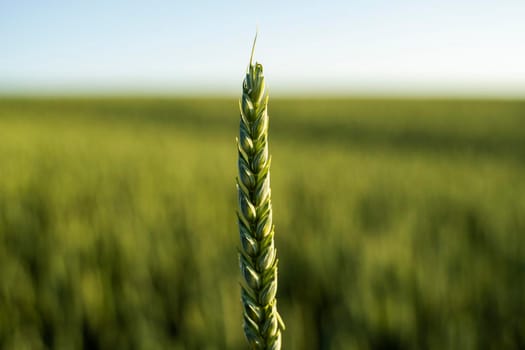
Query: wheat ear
point(258, 261)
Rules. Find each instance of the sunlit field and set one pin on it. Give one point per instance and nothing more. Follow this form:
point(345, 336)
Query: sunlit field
point(400, 224)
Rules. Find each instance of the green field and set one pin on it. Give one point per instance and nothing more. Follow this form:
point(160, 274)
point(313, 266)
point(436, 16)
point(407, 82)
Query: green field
point(400, 224)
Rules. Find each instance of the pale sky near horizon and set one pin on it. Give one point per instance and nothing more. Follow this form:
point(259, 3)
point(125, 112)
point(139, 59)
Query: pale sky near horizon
point(186, 47)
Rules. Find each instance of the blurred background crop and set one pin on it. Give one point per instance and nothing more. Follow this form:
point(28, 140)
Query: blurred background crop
point(397, 130)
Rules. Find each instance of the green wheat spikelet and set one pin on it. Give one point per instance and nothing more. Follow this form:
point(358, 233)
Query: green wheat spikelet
point(258, 256)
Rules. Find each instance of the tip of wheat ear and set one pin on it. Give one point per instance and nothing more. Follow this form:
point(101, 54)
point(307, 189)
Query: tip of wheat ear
point(253, 48)
point(257, 253)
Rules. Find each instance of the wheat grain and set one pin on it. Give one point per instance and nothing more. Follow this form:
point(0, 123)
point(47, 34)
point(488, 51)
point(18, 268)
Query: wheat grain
point(258, 261)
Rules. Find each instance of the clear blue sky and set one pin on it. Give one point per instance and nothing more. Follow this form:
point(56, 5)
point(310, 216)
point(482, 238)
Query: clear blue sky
point(397, 47)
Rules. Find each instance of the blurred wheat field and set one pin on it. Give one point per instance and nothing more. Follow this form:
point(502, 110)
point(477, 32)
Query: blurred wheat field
point(400, 224)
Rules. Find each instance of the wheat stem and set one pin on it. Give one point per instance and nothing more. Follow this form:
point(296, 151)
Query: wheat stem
point(258, 262)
